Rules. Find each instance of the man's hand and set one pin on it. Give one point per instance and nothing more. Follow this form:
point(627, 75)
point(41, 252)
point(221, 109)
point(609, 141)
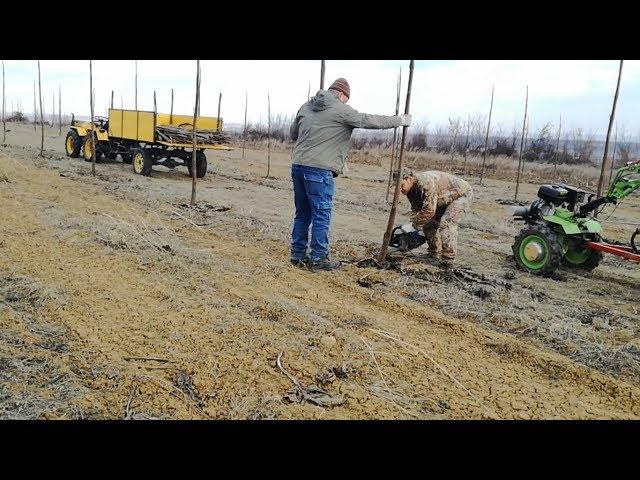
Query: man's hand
point(405, 120)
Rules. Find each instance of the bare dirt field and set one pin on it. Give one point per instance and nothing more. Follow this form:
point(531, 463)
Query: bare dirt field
point(118, 301)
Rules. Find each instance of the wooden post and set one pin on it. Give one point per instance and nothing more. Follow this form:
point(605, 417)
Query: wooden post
point(486, 140)
point(112, 99)
point(322, 75)
point(171, 114)
point(219, 105)
point(396, 194)
point(41, 115)
point(35, 109)
point(309, 92)
point(196, 108)
point(555, 157)
point(466, 145)
point(4, 123)
point(93, 136)
point(268, 134)
point(53, 109)
point(524, 120)
point(603, 169)
point(60, 109)
point(244, 136)
point(392, 161)
point(155, 105)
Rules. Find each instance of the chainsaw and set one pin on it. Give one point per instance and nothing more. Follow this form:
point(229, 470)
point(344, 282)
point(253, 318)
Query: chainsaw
point(405, 238)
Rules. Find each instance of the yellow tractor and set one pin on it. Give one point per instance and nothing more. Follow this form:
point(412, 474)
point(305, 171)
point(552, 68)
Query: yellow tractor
point(145, 139)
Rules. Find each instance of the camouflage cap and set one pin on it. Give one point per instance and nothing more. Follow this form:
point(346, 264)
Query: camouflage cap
point(405, 173)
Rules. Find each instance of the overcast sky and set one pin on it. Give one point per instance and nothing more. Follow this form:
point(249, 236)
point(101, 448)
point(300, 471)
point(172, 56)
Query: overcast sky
point(582, 91)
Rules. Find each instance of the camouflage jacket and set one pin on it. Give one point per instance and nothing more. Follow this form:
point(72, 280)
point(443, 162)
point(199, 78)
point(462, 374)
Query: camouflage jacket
point(432, 192)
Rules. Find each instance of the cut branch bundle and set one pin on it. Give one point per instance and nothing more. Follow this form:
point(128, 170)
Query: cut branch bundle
point(182, 135)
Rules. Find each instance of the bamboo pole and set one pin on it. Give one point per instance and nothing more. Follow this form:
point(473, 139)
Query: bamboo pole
point(41, 114)
point(60, 109)
point(219, 105)
point(322, 75)
point(196, 108)
point(93, 136)
point(244, 135)
point(268, 134)
point(603, 169)
point(171, 114)
point(4, 123)
point(524, 120)
point(486, 140)
point(396, 194)
point(555, 157)
point(392, 161)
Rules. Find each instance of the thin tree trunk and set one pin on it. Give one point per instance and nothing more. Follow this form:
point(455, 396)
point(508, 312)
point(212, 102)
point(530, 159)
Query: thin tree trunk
point(555, 158)
point(486, 140)
point(603, 169)
point(112, 99)
point(155, 105)
point(136, 103)
point(219, 106)
point(268, 134)
point(322, 75)
point(309, 92)
point(396, 194)
point(171, 114)
point(524, 121)
point(35, 109)
point(392, 161)
point(60, 109)
point(244, 135)
point(41, 114)
point(4, 123)
point(93, 136)
point(196, 108)
point(466, 146)
point(613, 160)
point(53, 109)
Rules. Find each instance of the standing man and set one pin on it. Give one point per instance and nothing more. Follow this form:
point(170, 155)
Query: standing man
point(439, 200)
point(322, 132)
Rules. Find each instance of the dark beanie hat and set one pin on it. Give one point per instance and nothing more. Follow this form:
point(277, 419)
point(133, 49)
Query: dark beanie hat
point(341, 85)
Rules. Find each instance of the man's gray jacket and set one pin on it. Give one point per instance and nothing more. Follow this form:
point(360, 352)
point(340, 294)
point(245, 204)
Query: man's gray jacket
point(322, 131)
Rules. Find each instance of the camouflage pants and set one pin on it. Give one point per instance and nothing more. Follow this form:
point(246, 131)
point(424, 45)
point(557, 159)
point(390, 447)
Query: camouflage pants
point(445, 226)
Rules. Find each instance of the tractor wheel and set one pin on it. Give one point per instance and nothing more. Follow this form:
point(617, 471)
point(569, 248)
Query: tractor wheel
point(87, 149)
point(201, 165)
point(583, 258)
point(73, 144)
point(537, 250)
point(142, 162)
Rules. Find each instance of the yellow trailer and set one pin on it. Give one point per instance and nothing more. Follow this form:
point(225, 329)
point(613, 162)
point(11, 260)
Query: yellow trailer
point(134, 135)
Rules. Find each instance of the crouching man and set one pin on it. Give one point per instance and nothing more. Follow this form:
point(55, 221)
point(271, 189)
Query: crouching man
point(439, 200)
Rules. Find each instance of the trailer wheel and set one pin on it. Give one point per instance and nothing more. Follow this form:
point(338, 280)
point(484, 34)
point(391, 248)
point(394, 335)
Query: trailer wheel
point(537, 250)
point(201, 165)
point(142, 162)
point(73, 144)
point(583, 258)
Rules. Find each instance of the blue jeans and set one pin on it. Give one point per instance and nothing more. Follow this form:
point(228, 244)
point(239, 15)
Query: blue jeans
point(313, 190)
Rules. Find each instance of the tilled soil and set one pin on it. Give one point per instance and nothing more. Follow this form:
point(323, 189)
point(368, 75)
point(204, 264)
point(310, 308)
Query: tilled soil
point(117, 300)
